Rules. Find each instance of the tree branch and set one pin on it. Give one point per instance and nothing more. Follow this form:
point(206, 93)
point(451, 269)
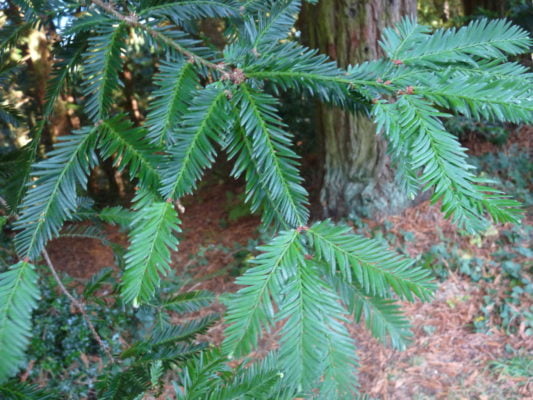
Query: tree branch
point(133, 20)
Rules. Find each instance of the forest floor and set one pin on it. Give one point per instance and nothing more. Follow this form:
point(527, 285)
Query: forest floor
point(448, 358)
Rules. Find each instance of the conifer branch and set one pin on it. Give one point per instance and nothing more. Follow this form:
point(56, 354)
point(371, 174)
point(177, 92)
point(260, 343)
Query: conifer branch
point(133, 20)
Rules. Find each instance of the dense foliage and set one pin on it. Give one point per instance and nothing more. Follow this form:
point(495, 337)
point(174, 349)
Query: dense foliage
point(311, 277)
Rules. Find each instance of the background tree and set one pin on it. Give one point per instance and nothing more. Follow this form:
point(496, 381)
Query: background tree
point(357, 176)
point(496, 6)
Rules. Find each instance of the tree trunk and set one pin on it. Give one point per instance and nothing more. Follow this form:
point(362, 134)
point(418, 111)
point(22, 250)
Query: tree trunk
point(357, 178)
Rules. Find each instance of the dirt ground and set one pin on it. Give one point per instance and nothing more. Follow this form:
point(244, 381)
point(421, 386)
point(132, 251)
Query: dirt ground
point(447, 359)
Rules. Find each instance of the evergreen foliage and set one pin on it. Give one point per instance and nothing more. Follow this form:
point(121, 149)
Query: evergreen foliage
point(311, 280)
point(176, 82)
point(18, 297)
point(152, 238)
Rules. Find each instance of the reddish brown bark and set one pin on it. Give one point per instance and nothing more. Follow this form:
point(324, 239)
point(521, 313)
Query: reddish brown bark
point(357, 178)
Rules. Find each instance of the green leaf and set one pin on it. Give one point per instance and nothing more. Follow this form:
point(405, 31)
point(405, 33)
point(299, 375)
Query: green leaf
point(383, 317)
point(102, 64)
point(18, 298)
point(194, 151)
point(251, 308)
point(181, 332)
point(444, 164)
point(151, 241)
point(258, 380)
point(15, 390)
point(124, 384)
point(314, 342)
point(479, 98)
point(72, 55)
point(176, 83)
point(184, 11)
point(116, 216)
point(373, 266)
point(87, 22)
point(291, 66)
point(485, 39)
point(201, 375)
point(188, 302)
point(271, 24)
point(51, 198)
point(129, 148)
point(276, 161)
point(240, 148)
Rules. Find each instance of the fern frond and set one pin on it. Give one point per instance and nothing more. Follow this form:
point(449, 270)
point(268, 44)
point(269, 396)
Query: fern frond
point(251, 308)
point(51, 198)
point(276, 161)
point(18, 298)
point(176, 82)
point(151, 240)
point(127, 145)
point(194, 151)
point(373, 266)
point(102, 64)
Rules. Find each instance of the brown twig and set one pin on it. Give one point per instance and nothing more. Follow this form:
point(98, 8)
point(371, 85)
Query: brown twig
point(79, 305)
point(133, 20)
